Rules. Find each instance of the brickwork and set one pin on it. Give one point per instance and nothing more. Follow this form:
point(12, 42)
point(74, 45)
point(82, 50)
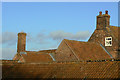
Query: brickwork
point(103, 21)
point(103, 29)
point(64, 53)
point(99, 37)
point(21, 46)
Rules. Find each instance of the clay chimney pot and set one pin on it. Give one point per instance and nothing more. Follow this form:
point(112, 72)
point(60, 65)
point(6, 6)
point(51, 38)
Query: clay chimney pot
point(100, 13)
point(106, 12)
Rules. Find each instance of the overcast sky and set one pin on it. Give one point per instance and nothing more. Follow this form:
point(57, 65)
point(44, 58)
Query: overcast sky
point(47, 24)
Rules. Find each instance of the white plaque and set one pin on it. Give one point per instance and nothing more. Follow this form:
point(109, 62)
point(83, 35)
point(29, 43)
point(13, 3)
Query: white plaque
point(108, 41)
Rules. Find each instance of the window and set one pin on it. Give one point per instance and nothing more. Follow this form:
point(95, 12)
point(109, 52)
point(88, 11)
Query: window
point(108, 41)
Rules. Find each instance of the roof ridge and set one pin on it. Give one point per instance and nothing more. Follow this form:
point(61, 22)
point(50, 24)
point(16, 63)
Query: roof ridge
point(82, 41)
point(74, 40)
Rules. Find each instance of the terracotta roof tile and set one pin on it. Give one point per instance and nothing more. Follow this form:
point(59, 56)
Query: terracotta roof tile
point(36, 57)
point(85, 50)
point(82, 70)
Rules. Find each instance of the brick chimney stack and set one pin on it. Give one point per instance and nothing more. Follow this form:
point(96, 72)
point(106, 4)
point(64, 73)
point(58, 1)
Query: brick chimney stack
point(99, 21)
point(103, 20)
point(21, 45)
point(106, 19)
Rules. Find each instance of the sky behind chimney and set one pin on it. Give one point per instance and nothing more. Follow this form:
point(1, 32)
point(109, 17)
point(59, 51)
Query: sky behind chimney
point(46, 24)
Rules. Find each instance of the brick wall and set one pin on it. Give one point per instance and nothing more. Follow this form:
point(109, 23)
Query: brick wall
point(99, 37)
point(64, 53)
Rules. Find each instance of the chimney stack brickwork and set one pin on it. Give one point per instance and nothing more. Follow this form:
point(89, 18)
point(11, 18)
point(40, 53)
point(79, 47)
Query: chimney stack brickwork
point(103, 20)
point(21, 45)
point(103, 30)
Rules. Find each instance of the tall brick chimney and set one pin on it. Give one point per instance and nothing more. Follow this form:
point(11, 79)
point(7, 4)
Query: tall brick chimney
point(99, 24)
point(106, 19)
point(103, 20)
point(21, 45)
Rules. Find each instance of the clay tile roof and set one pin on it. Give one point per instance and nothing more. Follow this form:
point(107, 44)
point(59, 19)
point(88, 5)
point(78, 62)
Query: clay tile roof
point(86, 50)
point(81, 70)
point(36, 57)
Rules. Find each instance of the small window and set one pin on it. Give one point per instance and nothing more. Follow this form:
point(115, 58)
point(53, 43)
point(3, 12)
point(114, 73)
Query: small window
point(108, 41)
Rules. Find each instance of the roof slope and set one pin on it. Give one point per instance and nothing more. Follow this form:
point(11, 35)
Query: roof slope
point(37, 56)
point(89, 70)
point(84, 50)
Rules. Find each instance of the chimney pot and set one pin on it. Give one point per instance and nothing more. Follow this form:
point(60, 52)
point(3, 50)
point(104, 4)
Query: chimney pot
point(106, 12)
point(100, 13)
